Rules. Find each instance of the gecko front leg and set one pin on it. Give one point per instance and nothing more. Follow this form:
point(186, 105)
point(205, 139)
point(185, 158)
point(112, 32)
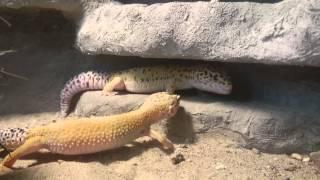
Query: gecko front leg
point(166, 143)
point(116, 83)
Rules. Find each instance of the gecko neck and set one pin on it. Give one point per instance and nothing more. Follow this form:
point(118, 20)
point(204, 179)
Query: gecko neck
point(147, 116)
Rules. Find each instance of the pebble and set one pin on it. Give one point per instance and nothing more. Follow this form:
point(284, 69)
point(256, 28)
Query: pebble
point(256, 151)
point(178, 158)
point(296, 156)
point(306, 159)
point(183, 146)
point(60, 161)
point(220, 166)
point(290, 167)
point(135, 164)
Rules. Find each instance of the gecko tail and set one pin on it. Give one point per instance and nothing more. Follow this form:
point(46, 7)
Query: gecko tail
point(90, 80)
point(11, 138)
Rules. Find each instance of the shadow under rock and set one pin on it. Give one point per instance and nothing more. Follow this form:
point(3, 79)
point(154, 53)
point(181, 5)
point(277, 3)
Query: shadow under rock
point(180, 127)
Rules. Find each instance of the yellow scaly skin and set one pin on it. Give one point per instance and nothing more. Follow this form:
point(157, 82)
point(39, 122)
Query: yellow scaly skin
point(89, 135)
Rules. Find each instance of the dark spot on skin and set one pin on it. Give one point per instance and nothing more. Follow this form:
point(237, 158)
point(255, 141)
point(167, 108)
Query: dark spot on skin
point(87, 84)
point(78, 81)
point(12, 130)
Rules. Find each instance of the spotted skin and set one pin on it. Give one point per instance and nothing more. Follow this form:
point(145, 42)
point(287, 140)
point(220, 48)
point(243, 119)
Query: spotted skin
point(11, 138)
point(89, 135)
point(206, 77)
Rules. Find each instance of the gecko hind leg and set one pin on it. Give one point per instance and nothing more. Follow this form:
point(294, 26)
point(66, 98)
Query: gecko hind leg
point(115, 84)
point(29, 146)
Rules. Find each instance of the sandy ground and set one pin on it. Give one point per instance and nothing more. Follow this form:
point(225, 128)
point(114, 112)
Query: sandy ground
point(214, 155)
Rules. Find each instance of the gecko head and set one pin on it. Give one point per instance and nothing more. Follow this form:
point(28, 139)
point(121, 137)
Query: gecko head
point(162, 104)
point(212, 78)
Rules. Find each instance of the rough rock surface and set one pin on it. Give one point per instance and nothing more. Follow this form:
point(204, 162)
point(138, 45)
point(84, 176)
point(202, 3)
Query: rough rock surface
point(271, 32)
point(286, 32)
point(268, 128)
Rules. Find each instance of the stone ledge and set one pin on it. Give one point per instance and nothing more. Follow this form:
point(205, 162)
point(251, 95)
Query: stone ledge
point(285, 32)
point(268, 128)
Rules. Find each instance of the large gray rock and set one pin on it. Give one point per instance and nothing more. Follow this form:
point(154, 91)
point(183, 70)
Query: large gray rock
point(268, 128)
point(285, 32)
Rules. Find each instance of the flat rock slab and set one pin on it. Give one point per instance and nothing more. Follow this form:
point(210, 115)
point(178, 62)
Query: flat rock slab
point(268, 128)
point(270, 32)
point(286, 32)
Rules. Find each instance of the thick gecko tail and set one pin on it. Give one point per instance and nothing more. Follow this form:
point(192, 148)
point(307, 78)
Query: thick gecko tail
point(84, 81)
point(11, 138)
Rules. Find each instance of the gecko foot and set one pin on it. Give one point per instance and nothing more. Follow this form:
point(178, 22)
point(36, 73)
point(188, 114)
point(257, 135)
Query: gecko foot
point(112, 93)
